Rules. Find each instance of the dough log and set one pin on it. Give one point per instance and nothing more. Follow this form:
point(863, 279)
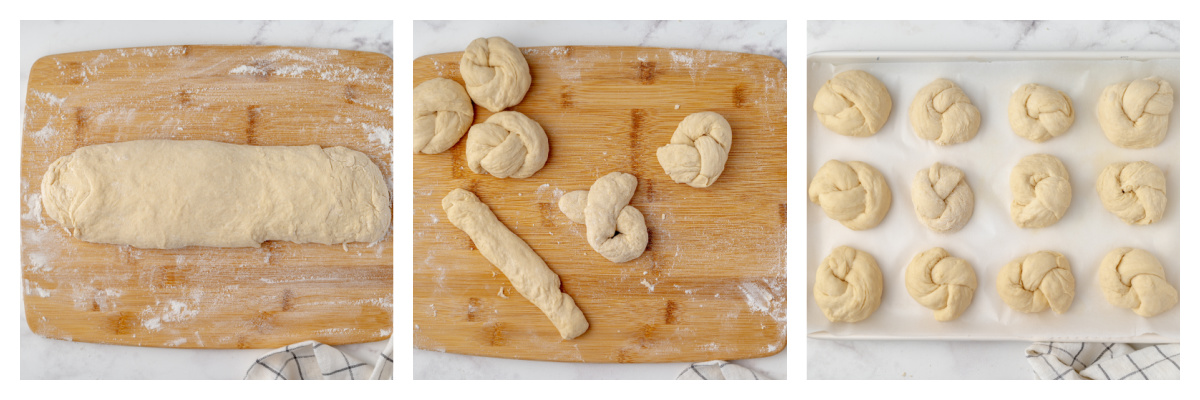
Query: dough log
point(1136, 192)
point(698, 149)
point(524, 268)
point(168, 194)
point(1134, 279)
point(1032, 282)
point(615, 229)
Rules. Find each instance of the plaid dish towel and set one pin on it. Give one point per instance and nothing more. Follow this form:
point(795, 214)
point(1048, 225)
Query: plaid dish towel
point(312, 360)
point(1059, 360)
point(717, 370)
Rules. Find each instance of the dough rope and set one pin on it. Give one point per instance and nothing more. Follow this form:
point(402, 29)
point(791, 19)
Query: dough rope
point(615, 229)
point(512, 256)
point(442, 112)
point(496, 73)
point(852, 193)
point(853, 103)
point(1041, 189)
point(1136, 115)
point(941, 112)
point(169, 194)
point(1032, 282)
point(848, 286)
point(1134, 279)
point(1040, 113)
point(507, 145)
point(698, 149)
point(941, 283)
point(943, 199)
point(1136, 192)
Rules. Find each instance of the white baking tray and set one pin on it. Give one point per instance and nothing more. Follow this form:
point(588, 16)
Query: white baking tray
point(1085, 234)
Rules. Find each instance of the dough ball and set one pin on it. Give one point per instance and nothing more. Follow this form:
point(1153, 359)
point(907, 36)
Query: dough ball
point(507, 145)
point(941, 112)
point(1034, 281)
point(1134, 279)
point(848, 285)
point(1135, 115)
point(442, 112)
point(852, 193)
point(496, 73)
point(943, 200)
point(1039, 113)
point(941, 283)
point(853, 103)
point(1041, 191)
point(1136, 192)
point(698, 149)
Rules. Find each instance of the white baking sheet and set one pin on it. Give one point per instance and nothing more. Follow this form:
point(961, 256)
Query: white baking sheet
point(990, 239)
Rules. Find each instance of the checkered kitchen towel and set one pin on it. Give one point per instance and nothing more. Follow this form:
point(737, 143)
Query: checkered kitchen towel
point(717, 370)
point(312, 360)
point(1067, 360)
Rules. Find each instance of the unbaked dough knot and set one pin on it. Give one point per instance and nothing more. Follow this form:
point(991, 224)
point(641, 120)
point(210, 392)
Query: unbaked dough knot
point(1041, 189)
point(1134, 279)
point(940, 282)
point(615, 229)
point(1136, 192)
point(442, 112)
point(698, 149)
point(1136, 115)
point(1039, 113)
point(941, 112)
point(853, 103)
point(852, 193)
point(508, 144)
point(943, 200)
point(1032, 282)
point(848, 286)
point(496, 73)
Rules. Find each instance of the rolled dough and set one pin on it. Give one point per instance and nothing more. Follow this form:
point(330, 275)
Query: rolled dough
point(167, 194)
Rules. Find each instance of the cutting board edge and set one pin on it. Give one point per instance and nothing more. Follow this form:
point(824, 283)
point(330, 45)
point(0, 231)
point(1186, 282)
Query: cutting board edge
point(771, 58)
point(777, 350)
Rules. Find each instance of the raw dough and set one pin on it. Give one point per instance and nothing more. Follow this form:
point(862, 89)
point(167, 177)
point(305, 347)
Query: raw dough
point(1032, 282)
point(507, 145)
point(615, 229)
point(848, 285)
point(496, 73)
point(853, 103)
point(1134, 279)
point(1041, 191)
point(942, 198)
point(698, 149)
point(524, 268)
point(1039, 113)
point(1136, 192)
point(941, 112)
point(442, 112)
point(1135, 115)
point(168, 194)
point(940, 282)
point(852, 193)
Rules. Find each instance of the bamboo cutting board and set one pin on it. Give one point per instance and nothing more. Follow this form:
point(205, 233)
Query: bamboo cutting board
point(203, 297)
point(712, 283)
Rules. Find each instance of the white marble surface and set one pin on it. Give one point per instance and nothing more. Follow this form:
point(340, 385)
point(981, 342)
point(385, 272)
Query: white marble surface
point(43, 358)
point(432, 37)
point(841, 359)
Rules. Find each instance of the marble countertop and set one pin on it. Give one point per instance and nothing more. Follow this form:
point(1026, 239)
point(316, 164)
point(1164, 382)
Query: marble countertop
point(43, 358)
point(433, 37)
point(844, 359)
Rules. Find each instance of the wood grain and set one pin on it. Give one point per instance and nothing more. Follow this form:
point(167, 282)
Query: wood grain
point(200, 297)
point(712, 283)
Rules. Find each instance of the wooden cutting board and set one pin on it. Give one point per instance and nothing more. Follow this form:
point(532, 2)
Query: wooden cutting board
point(202, 297)
point(712, 283)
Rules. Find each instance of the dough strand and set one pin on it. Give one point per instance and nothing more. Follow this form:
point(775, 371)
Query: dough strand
point(615, 229)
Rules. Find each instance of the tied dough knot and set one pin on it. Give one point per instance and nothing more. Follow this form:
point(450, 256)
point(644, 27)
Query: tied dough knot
point(1134, 279)
point(943, 200)
point(1135, 115)
point(853, 103)
point(615, 229)
point(1136, 192)
point(496, 73)
point(941, 283)
point(852, 193)
point(1039, 113)
point(1032, 282)
point(698, 149)
point(848, 285)
point(442, 112)
point(1041, 191)
point(941, 112)
point(508, 144)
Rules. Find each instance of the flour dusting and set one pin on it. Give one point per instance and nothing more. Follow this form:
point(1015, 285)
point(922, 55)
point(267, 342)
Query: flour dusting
point(648, 285)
